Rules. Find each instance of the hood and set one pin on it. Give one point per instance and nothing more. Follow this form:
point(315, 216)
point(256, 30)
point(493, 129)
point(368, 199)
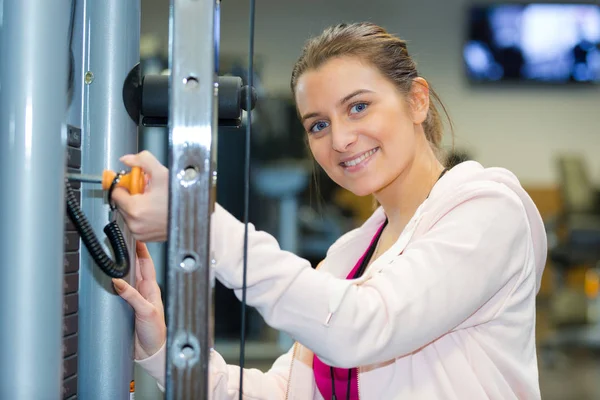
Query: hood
point(470, 171)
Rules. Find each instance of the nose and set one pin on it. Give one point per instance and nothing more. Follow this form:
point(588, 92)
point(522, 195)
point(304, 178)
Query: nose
point(342, 137)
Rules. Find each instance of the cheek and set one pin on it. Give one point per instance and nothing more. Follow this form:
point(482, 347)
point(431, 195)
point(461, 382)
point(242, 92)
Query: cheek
point(398, 143)
point(399, 134)
point(398, 147)
point(318, 148)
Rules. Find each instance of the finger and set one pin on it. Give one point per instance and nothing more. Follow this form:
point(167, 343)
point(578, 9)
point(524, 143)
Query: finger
point(144, 160)
point(140, 305)
point(138, 272)
point(131, 160)
point(147, 271)
point(126, 203)
point(151, 292)
point(141, 249)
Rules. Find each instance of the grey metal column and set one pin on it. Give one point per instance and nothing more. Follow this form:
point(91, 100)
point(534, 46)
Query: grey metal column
point(156, 141)
point(106, 328)
point(193, 123)
point(33, 100)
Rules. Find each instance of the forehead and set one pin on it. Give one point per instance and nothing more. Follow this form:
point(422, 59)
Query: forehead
point(335, 79)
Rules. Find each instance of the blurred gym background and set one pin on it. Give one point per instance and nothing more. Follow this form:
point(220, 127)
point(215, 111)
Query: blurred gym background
point(521, 85)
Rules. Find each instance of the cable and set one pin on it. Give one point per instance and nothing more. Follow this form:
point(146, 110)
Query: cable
point(333, 396)
point(71, 61)
point(247, 193)
point(348, 383)
point(114, 269)
point(72, 22)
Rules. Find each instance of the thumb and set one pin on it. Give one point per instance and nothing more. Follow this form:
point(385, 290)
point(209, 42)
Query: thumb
point(145, 160)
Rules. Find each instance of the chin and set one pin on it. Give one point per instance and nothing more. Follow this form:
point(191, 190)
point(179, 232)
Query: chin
point(362, 190)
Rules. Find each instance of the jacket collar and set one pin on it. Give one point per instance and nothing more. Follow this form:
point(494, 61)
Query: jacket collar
point(352, 245)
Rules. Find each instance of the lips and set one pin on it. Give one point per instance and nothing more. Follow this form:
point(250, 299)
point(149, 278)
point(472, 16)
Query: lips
point(358, 159)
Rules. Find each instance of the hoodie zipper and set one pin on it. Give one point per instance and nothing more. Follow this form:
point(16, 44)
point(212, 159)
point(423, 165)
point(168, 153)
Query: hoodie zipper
point(358, 382)
point(287, 390)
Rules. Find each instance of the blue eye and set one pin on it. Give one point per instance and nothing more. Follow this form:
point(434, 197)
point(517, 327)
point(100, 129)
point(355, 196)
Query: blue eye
point(319, 126)
point(358, 107)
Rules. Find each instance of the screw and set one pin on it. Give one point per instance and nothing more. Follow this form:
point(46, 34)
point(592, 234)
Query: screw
point(191, 82)
point(89, 77)
point(188, 264)
point(189, 174)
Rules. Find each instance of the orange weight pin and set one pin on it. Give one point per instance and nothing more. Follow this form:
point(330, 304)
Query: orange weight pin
point(133, 181)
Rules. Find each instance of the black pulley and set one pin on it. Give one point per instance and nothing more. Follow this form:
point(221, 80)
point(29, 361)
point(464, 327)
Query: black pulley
point(147, 98)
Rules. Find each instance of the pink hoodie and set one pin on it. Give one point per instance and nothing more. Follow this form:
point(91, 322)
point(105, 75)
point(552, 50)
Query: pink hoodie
point(448, 312)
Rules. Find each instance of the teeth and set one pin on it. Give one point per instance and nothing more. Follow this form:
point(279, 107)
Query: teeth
point(360, 159)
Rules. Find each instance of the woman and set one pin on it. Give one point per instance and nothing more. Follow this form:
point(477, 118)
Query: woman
point(433, 297)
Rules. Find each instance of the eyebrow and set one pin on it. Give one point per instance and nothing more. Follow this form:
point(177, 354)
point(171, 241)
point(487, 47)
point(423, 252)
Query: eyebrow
point(353, 94)
point(340, 103)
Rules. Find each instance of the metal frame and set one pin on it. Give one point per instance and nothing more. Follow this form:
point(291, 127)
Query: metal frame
point(156, 141)
point(107, 47)
point(33, 139)
point(33, 102)
point(192, 128)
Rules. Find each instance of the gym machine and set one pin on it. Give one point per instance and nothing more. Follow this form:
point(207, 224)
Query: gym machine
point(72, 99)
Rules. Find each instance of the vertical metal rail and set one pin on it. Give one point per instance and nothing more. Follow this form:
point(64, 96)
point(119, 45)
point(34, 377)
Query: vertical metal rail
point(111, 48)
point(71, 310)
point(33, 101)
point(193, 123)
point(156, 141)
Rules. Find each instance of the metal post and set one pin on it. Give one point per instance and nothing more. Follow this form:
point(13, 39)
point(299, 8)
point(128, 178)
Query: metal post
point(33, 101)
point(193, 122)
point(111, 45)
point(156, 141)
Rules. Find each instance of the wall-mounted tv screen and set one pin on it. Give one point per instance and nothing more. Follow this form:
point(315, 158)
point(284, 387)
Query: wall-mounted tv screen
point(536, 42)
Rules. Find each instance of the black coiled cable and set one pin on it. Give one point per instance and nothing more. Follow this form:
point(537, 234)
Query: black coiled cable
point(114, 269)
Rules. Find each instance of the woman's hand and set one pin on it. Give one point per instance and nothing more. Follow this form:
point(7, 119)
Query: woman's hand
point(150, 328)
point(146, 214)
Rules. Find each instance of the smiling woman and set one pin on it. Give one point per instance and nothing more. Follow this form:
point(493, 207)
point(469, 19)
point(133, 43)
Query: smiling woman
point(433, 297)
point(371, 120)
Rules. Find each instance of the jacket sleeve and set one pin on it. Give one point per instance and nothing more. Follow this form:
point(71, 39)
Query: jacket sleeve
point(475, 251)
point(224, 379)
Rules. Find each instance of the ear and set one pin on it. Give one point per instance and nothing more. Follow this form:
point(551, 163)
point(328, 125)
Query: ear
point(419, 100)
